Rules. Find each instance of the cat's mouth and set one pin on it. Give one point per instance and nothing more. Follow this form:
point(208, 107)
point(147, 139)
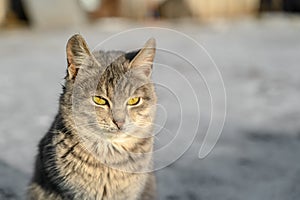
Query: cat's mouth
point(115, 132)
point(117, 136)
point(112, 133)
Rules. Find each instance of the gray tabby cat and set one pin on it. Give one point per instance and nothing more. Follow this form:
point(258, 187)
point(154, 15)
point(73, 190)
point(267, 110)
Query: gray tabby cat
point(99, 145)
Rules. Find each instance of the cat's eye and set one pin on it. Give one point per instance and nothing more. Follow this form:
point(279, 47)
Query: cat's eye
point(99, 100)
point(133, 101)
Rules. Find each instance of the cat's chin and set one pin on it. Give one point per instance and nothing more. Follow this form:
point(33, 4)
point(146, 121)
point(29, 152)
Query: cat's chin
point(116, 136)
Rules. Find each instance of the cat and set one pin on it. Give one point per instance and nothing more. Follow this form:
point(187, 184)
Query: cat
point(100, 143)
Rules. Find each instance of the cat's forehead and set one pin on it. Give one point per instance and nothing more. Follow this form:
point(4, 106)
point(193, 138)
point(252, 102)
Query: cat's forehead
point(112, 66)
point(106, 58)
point(116, 79)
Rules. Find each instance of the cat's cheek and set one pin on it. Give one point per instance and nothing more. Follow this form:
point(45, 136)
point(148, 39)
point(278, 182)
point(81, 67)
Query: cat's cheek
point(142, 120)
point(102, 116)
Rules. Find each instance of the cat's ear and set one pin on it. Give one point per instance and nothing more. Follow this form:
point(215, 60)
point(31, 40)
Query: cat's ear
point(143, 60)
point(77, 53)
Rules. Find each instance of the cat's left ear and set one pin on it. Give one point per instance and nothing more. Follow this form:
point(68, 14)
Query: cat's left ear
point(143, 61)
point(77, 54)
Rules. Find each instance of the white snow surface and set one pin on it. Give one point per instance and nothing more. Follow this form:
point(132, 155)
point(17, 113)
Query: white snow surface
point(257, 155)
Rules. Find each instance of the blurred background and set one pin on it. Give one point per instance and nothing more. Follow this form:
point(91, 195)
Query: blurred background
point(32, 13)
point(254, 43)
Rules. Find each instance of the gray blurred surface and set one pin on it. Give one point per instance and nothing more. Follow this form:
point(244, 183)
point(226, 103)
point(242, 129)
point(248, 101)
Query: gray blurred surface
point(257, 156)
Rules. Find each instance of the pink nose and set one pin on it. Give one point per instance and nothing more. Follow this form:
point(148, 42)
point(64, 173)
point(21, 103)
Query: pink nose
point(119, 124)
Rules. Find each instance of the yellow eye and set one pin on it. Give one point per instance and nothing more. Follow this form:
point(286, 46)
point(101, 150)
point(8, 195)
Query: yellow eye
point(133, 101)
point(99, 100)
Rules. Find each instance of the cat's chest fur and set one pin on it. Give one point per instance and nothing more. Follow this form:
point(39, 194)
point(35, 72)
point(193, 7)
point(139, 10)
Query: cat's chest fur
point(92, 179)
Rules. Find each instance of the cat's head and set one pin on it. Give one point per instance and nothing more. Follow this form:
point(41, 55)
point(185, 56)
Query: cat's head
point(109, 94)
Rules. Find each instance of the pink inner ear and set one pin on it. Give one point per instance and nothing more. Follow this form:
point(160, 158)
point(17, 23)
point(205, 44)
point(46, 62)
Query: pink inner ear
point(143, 71)
point(147, 70)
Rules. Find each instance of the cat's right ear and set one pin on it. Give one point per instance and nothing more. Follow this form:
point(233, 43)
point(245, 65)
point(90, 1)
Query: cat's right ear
point(77, 53)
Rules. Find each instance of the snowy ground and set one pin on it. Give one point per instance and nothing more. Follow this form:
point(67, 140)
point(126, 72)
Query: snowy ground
point(257, 155)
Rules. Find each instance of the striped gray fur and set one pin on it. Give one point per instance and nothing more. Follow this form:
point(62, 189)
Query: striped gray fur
point(85, 154)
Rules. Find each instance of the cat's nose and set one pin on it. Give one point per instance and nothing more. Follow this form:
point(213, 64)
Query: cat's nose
point(119, 123)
